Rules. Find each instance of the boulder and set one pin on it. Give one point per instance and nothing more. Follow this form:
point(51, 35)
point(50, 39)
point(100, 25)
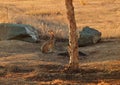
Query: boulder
point(89, 36)
point(21, 32)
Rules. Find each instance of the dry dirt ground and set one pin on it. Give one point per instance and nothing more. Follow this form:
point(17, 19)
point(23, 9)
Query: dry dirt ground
point(22, 63)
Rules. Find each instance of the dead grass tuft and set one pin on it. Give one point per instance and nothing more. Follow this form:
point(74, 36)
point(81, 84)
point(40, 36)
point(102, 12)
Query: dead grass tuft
point(2, 71)
point(103, 83)
point(43, 13)
point(18, 69)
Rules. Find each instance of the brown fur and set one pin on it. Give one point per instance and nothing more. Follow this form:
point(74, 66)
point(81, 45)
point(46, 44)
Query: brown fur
point(49, 45)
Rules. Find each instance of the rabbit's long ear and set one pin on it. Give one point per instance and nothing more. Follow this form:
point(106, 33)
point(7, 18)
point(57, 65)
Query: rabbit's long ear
point(51, 32)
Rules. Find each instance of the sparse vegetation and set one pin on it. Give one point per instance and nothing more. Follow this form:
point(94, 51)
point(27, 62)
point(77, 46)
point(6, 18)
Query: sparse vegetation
point(91, 14)
point(22, 63)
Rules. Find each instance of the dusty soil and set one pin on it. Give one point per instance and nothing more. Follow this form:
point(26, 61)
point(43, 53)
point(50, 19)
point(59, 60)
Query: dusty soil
point(22, 63)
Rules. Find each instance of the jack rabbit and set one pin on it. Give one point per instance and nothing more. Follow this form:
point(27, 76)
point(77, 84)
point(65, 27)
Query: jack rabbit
point(48, 46)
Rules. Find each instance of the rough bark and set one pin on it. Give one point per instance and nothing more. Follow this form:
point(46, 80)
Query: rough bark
point(73, 37)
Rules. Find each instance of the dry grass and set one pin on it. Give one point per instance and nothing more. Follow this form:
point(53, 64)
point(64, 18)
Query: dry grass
point(102, 15)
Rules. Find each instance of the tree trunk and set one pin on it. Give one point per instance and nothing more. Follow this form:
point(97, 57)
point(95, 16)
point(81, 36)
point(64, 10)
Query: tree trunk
point(73, 37)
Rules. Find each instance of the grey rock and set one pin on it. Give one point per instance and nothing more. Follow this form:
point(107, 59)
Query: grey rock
point(89, 36)
point(9, 31)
